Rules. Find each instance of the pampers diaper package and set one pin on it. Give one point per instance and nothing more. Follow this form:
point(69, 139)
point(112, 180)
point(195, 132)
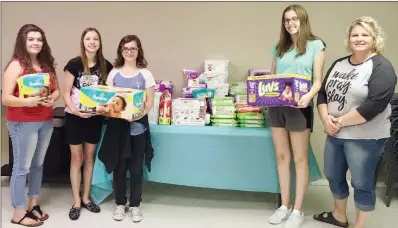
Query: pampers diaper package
point(277, 90)
point(112, 101)
point(31, 85)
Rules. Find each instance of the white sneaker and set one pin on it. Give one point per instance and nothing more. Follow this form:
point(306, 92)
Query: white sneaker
point(135, 214)
point(295, 220)
point(280, 215)
point(119, 213)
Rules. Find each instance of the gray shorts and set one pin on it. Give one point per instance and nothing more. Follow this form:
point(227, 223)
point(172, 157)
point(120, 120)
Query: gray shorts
point(292, 119)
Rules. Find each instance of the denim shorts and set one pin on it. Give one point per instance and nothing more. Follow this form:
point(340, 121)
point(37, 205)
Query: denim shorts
point(360, 156)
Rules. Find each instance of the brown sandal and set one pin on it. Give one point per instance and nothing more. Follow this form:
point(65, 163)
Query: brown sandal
point(37, 208)
point(30, 215)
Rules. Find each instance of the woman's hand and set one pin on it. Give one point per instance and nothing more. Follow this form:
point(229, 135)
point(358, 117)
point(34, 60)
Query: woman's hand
point(330, 127)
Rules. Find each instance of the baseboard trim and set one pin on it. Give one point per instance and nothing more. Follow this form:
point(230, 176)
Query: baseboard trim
point(324, 182)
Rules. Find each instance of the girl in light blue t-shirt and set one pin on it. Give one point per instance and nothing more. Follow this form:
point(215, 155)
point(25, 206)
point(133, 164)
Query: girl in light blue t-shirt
point(298, 51)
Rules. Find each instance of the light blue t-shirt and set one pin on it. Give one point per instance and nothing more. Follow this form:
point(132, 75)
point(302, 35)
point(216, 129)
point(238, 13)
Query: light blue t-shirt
point(303, 64)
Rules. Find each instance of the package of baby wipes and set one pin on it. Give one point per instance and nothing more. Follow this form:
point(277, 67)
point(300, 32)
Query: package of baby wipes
point(31, 85)
point(112, 101)
point(216, 65)
point(153, 114)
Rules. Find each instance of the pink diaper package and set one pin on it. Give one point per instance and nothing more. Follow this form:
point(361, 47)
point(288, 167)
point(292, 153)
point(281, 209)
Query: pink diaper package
point(162, 85)
point(277, 90)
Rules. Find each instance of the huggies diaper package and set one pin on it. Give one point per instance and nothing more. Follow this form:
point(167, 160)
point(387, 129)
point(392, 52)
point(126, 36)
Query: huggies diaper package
point(277, 90)
point(32, 85)
point(112, 101)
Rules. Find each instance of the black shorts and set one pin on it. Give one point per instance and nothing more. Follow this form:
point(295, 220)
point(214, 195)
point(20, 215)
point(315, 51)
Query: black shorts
point(79, 130)
point(292, 119)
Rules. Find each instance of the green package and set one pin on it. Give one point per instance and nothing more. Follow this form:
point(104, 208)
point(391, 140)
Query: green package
point(224, 121)
point(248, 121)
point(222, 101)
point(233, 116)
point(224, 124)
point(251, 125)
point(250, 116)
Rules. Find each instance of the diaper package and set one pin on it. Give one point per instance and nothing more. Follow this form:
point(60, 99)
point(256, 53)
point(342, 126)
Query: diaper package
point(153, 114)
point(112, 101)
point(31, 85)
point(277, 90)
point(189, 112)
point(164, 86)
point(259, 72)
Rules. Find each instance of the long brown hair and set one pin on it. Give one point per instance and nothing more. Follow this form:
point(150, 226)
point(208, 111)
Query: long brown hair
point(99, 57)
point(141, 61)
point(304, 33)
point(44, 57)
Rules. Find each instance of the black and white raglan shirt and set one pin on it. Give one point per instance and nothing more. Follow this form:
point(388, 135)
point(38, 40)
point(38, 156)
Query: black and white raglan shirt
point(367, 87)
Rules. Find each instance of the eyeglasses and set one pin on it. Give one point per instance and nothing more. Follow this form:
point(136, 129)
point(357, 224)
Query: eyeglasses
point(126, 50)
point(293, 19)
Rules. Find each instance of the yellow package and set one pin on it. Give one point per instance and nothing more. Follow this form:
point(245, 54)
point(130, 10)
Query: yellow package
point(31, 85)
point(112, 101)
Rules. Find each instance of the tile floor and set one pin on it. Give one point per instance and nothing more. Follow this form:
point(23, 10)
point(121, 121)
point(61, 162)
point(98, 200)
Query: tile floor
point(181, 207)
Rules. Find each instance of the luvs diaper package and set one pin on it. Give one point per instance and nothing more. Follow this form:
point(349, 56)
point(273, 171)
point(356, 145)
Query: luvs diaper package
point(277, 90)
point(112, 101)
point(31, 85)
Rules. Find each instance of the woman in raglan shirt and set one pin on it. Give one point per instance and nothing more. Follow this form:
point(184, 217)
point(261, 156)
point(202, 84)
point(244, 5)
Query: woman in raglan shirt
point(354, 106)
point(83, 131)
point(29, 122)
point(130, 72)
point(298, 51)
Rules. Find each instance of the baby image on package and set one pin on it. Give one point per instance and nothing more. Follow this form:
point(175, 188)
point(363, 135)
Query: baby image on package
point(277, 90)
point(112, 101)
point(32, 85)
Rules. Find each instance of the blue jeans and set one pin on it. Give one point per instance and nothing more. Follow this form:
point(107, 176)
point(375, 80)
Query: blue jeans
point(361, 157)
point(30, 141)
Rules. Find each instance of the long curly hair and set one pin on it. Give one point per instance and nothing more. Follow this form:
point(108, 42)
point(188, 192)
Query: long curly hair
point(44, 57)
point(141, 61)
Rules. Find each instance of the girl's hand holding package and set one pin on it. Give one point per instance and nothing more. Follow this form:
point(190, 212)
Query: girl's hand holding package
point(33, 101)
point(48, 101)
point(81, 113)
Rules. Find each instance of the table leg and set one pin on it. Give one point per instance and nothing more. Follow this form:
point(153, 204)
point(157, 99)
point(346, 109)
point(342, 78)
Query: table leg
point(278, 200)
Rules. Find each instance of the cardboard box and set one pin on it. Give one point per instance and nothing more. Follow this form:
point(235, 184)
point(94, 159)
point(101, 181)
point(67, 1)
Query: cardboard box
point(112, 101)
point(277, 90)
point(31, 85)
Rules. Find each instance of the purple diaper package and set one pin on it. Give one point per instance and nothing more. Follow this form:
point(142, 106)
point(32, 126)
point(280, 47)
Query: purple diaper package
point(194, 79)
point(277, 90)
point(259, 72)
point(162, 85)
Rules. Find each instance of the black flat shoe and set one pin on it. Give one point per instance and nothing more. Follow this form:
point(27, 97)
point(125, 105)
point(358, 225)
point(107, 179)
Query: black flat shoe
point(74, 213)
point(92, 207)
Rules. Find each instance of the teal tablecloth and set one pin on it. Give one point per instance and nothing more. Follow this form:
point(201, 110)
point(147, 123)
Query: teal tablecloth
point(210, 157)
